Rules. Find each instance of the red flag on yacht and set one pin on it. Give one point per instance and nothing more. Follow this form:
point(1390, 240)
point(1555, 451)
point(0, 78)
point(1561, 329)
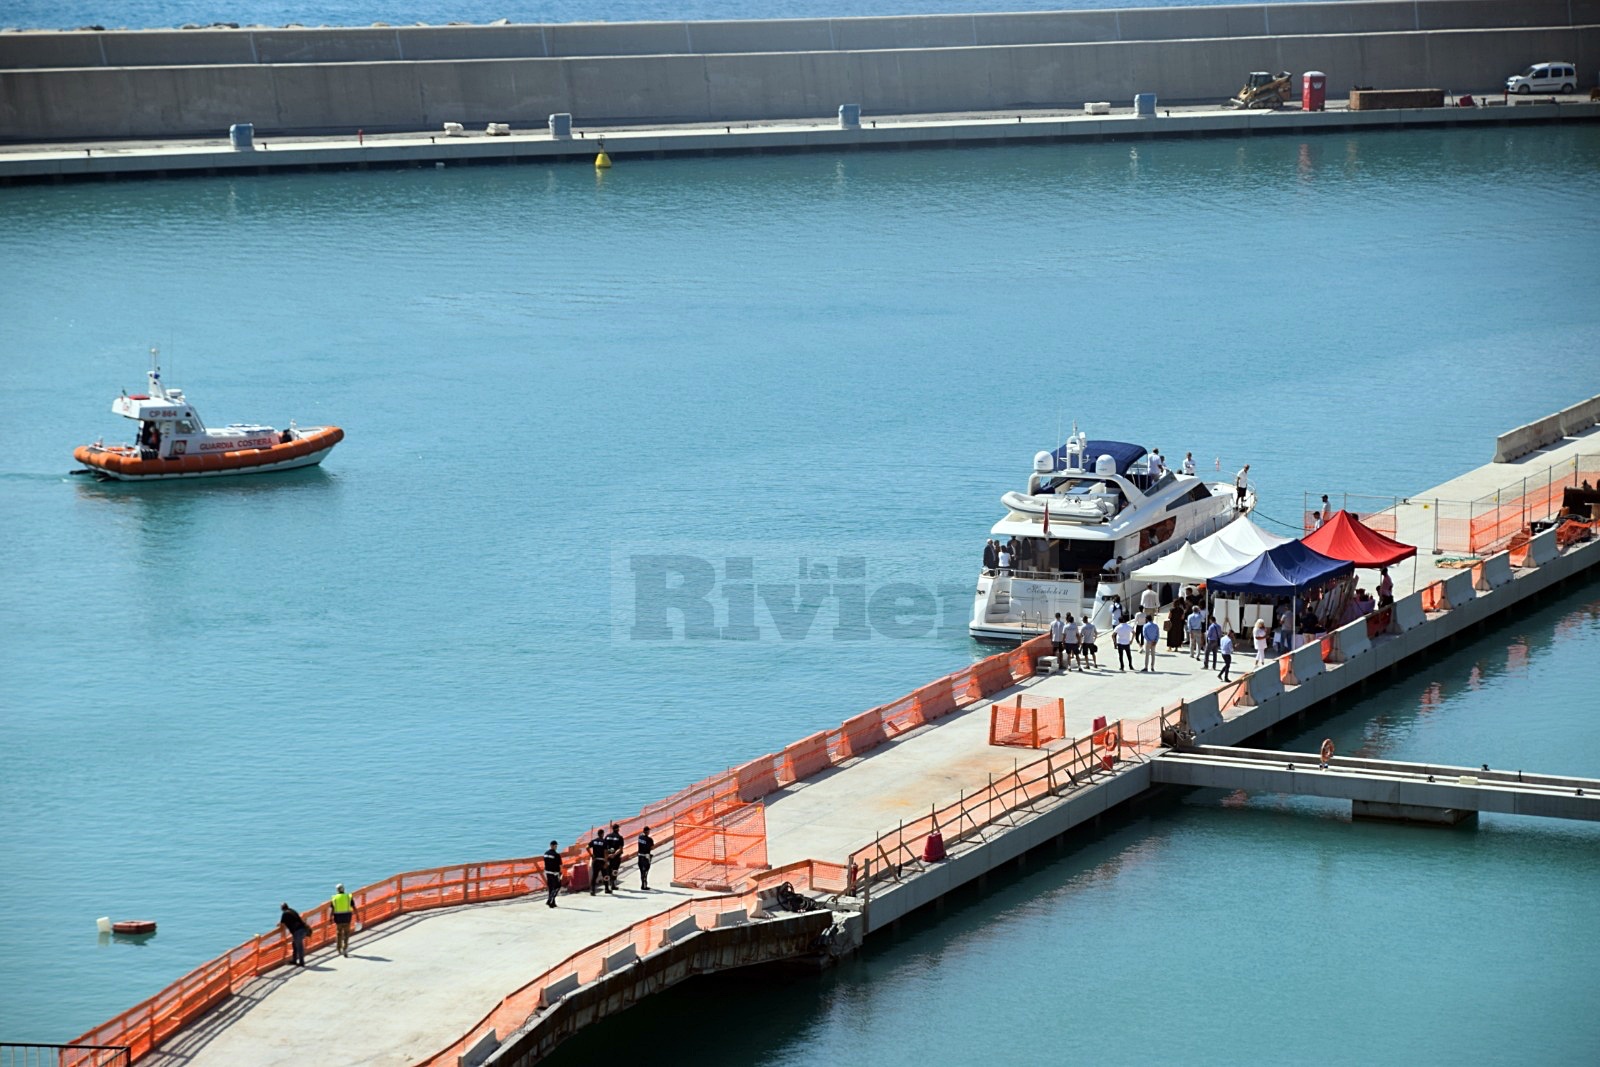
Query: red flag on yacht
point(1047, 518)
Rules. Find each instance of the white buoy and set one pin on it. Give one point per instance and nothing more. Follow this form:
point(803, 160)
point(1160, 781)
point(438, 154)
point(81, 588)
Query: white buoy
point(103, 924)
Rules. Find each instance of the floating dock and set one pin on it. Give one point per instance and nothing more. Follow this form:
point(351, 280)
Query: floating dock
point(466, 965)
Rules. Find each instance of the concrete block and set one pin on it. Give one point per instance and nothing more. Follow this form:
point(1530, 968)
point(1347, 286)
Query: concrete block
point(1408, 614)
point(1350, 641)
point(1203, 714)
point(1266, 683)
point(679, 930)
point(1492, 573)
point(1542, 548)
point(1517, 443)
point(1458, 590)
point(1305, 663)
point(620, 959)
point(558, 989)
point(1579, 417)
point(734, 917)
point(479, 1050)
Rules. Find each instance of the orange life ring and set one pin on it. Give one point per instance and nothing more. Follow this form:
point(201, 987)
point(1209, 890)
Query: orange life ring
point(1327, 749)
point(1109, 739)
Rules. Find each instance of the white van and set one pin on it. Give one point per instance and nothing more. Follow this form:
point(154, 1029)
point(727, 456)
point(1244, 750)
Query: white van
point(1552, 77)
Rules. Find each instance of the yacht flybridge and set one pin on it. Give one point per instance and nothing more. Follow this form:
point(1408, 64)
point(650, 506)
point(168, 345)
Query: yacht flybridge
point(1093, 512)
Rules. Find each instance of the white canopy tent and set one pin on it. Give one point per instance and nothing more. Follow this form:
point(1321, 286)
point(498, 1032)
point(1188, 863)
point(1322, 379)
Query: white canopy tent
point(1184, 566)
point(1245, 537)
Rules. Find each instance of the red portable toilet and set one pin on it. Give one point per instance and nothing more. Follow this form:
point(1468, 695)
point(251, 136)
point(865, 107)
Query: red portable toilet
point(1313, 91)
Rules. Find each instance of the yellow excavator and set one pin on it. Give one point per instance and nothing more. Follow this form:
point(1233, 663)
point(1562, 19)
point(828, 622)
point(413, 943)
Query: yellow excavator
point(1264, 90)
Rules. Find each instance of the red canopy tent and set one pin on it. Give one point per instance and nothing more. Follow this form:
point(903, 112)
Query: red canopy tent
point(1344, 537)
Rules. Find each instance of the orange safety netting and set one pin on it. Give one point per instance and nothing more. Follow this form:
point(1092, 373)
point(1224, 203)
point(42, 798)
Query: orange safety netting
point(1058, 770)
point(711, 847)
point(1027, 722)
point(645, 936)
point(143, 1027)
point(1571, 532)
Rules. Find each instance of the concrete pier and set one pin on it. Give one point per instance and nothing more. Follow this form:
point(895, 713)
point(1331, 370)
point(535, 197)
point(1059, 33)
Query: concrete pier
point(210, 156)
point(497, 983)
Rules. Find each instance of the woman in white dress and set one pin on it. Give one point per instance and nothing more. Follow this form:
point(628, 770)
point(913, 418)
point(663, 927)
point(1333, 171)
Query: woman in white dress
point(1261, 641)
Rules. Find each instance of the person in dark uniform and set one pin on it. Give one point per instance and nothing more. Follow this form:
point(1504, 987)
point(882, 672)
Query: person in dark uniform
point(614, 847)
point(645, 846)
point(552, 874)
point(991, 557)
point(597, 862)
point(298, 930)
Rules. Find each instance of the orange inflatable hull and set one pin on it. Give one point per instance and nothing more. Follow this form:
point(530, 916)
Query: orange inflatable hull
point(126, 464)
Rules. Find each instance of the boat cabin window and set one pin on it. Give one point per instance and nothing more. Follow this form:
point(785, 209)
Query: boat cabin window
point(185, 426)
point(1151, 536)
point(1197, 493)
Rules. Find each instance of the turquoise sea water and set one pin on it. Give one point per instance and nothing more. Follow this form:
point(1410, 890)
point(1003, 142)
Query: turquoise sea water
point(159, 14)
point(221, 696)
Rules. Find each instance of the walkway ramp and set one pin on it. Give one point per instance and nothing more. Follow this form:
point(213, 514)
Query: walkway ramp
point(1401, 786)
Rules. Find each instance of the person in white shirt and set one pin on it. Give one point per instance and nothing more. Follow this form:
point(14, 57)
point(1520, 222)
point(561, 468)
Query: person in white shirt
point(1122, 636)
point(1056, 629)
point(1005, 561)
point(1197, 625)
point(1241, 481)
point(1260, 636)
point(1148, 600)
point(1188, 463)
point(1116, 611)
point(1158, 463)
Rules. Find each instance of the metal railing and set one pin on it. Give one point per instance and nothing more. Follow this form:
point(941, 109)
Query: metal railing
point(17, 1054)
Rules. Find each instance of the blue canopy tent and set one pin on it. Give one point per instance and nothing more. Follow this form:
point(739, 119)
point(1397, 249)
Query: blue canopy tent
point(1286, 571)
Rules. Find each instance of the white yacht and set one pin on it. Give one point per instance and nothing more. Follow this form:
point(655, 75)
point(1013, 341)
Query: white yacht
point(1093, 512)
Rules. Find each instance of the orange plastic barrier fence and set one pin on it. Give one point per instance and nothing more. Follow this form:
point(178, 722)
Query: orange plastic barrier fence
point(1518, 548)
point(1229, 695)
point(936, 700)
point(1378, 622)
point(143, 1027)
point(813, 875)
point(861, 734)
point(901, 715)
point(804, 758)
point(1027, 722)
point(757, 778)
point(1432, 598)
point(1327, 648)
point(711, 847)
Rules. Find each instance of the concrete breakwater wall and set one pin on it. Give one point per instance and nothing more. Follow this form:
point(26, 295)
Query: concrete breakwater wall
point(903, 75)
point(312, 98)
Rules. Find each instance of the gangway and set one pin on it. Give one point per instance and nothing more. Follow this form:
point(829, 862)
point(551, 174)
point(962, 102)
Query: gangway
point(1383, 789)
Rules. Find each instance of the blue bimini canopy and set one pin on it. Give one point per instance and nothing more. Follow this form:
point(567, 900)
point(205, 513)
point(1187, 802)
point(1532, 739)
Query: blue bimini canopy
point(1126, 455)
point(1289, 569)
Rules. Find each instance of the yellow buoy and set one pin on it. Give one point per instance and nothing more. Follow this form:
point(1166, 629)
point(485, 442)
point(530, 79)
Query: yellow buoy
point(602, 161)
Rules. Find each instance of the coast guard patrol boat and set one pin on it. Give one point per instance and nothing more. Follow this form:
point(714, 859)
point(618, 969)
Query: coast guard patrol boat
point(1093, 512)
point(173, 443)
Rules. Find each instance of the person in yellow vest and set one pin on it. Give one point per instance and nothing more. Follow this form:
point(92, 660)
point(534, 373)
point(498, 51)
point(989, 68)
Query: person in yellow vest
point(343, 906)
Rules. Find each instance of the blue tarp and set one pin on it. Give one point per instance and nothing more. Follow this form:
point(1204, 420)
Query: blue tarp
point(1289, 569)
point(1125, 454)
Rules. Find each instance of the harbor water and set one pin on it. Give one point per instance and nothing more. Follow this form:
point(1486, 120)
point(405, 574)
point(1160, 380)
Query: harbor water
point(798, 384)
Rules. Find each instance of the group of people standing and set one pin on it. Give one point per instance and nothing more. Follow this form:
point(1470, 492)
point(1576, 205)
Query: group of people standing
point(605, 862)
point(343, 907)
point(1000, 558)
